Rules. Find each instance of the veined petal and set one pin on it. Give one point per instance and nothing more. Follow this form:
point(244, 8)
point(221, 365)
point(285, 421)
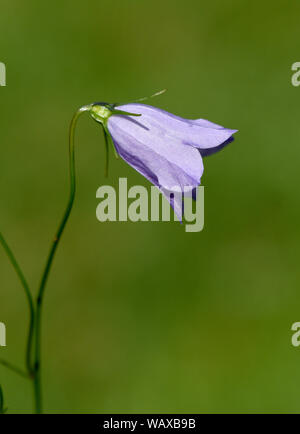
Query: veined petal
point(165, 148)
point(171, 166)
point(198, 133)
point(164, 160)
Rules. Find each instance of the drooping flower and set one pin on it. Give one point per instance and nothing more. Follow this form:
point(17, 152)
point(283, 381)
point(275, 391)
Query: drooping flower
point(164, 148)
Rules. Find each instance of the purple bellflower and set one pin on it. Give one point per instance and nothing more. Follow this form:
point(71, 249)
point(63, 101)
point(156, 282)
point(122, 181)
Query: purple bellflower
point(164, 148)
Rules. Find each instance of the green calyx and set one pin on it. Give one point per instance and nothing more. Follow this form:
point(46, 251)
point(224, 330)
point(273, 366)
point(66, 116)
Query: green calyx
point(101, 112)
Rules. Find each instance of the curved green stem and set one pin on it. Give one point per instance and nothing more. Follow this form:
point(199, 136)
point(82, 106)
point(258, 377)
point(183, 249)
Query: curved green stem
point(14, 368)
point(39, 301)
point(30, 303)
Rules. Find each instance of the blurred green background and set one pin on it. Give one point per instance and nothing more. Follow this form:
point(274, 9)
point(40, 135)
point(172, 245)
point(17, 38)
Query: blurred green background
point(144, 317)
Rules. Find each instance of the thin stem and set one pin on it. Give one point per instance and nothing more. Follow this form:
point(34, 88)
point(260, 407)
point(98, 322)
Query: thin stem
point(55, 242)
point(29, 299)
point(14, 368)
point(2, 408)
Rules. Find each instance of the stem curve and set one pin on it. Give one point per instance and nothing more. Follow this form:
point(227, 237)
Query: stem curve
point(45, 275)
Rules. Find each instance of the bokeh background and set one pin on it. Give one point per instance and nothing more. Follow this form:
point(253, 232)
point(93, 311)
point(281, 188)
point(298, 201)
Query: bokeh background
point(144, 317)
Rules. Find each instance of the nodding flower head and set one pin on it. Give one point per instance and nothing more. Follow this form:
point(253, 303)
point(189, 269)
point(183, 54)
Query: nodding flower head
point(166, 149)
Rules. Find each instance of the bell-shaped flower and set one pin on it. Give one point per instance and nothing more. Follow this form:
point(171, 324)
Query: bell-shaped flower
point(164, 148)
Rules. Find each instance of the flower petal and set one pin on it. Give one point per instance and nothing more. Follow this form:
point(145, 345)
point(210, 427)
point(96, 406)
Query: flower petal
point(198, 133)
point(210, 151)
point(164, 160)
